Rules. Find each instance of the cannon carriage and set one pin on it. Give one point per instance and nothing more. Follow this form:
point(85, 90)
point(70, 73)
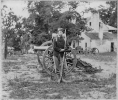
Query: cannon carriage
point(45, 58)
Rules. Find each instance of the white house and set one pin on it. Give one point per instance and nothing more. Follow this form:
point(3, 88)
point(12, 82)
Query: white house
point(98, 37)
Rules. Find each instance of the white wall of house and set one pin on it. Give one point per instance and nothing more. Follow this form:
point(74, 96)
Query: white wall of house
point(95, 21)
point(103, 45)
point(82, 43)
point(85, 42)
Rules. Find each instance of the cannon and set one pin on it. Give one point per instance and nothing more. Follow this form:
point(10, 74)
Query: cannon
point(45, 59)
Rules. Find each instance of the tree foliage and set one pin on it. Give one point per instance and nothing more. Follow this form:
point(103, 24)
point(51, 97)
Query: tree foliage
point(47, 18)
point(8, 18)
point(108, 15)
point(13, 27)
point(73, 4)
point(43, 16)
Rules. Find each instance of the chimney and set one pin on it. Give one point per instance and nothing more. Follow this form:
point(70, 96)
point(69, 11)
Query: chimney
point(100, 30)
point(96, 24)
point(95, 21)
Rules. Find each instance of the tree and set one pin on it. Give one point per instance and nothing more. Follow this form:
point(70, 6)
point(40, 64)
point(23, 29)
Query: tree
point(44, 14)
point(73, 4)
point(8, 18)
point(73, 29)
point(47, 18)
point(107, 15)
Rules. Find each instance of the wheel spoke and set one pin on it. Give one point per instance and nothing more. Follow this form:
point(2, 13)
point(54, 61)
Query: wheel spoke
point(48, 57)
point(49, 62)
point(50, 66)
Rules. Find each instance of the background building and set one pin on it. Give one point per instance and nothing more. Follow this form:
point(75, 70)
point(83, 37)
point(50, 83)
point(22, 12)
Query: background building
point(100, 36)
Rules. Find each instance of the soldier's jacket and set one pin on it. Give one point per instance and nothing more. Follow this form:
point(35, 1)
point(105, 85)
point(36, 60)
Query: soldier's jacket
point(58, 44)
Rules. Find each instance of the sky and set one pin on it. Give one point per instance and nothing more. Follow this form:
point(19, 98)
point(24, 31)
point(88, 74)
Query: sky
point(18, 6)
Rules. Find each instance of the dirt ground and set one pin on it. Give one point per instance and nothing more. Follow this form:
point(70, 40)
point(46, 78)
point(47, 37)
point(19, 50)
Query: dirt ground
point(22, 79)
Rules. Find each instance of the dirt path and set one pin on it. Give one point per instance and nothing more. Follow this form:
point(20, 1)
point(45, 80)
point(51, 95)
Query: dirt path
point(22, 80)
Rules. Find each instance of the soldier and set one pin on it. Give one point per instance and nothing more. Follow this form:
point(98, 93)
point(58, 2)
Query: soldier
point(58, 49)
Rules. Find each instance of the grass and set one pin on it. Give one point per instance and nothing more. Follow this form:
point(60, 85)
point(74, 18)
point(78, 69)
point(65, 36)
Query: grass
point(22, 89)
point(107, 56)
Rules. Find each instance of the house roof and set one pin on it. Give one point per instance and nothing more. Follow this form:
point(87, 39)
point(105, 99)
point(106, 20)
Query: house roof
point(109, 36)
point(106, 35)
point(92, 35)
point(77, 38)
point(111, 27)
point(88, 18)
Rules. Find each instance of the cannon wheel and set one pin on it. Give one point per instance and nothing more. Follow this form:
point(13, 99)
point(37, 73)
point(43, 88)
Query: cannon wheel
point(48, 62)
point(95, 51)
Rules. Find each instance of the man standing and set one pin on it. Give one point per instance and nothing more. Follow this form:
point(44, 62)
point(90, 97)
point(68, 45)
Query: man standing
point(58, 49)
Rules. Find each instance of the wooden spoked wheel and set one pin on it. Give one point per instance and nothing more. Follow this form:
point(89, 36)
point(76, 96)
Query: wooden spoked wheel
point(94, 50)
point(69, 62)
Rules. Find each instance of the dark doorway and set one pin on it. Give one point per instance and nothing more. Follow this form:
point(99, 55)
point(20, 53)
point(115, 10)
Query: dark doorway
point(85, 45)
point(90, 23)
point(112, 46)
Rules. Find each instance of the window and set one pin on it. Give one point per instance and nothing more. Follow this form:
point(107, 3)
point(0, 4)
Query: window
point(100, 25)
point(112, 46)
point(85, 45)
point(90, 23)
point(73, 44)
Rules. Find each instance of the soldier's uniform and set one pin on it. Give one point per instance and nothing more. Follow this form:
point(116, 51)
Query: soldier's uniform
point(58, 44)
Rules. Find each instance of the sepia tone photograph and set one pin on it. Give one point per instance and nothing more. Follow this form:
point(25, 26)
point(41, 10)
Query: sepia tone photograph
point(58, 49)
